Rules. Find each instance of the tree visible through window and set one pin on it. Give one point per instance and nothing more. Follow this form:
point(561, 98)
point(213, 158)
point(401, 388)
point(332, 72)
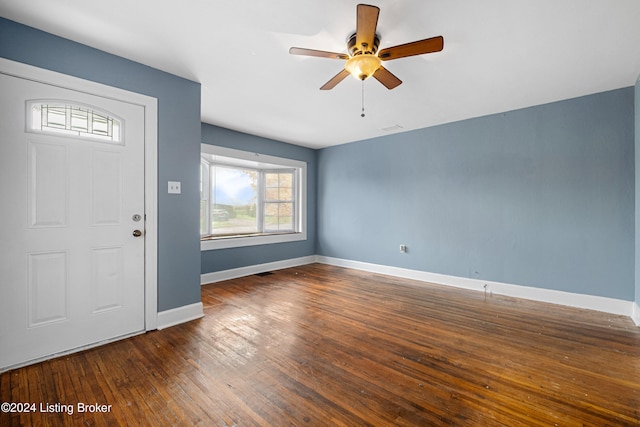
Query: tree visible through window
point(249, 198)
point(239, 201)
point(278, 201)
point(234, 194)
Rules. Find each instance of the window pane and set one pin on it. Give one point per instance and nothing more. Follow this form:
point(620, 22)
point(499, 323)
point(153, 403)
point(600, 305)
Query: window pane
point(79, 121)
point(278, 205)
point(285, 216)
point(279, 186)
point(286, 180)
point(286, 194)
point(271, 194)
point(73, 120)
point(271, 179)
point(56, 117)
point(100, 125)
point(278, 217)
point(233, 201)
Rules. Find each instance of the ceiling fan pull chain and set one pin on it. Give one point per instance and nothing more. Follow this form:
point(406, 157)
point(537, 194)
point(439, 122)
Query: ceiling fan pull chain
point(362, 115)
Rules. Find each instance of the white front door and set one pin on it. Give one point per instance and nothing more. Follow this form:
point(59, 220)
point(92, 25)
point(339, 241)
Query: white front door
point(72, 273)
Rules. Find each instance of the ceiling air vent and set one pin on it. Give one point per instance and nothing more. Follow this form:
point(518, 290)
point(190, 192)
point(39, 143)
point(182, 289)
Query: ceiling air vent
point(392, 128)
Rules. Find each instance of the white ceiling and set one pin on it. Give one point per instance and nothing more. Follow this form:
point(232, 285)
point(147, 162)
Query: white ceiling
point(499, 55)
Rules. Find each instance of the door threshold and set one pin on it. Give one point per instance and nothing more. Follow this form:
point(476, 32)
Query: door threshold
point(68, 352)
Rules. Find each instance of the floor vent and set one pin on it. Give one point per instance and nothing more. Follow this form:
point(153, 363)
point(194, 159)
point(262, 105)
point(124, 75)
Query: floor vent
point(266, 273)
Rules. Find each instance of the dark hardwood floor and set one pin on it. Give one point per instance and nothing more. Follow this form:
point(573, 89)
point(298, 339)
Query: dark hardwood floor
point(320, 345)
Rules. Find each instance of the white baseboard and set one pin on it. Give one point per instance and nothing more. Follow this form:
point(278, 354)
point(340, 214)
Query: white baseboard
point(178, 315)
point(635, 316)
point(219, 276)
point(591, 302)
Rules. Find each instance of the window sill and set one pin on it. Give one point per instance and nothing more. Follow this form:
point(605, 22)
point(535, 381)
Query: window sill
point(208, 244)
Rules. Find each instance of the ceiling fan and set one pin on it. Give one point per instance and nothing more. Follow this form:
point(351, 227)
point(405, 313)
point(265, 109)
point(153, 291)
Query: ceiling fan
point(364, 60)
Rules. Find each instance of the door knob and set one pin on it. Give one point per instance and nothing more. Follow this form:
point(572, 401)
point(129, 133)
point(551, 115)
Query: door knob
point(137, 233)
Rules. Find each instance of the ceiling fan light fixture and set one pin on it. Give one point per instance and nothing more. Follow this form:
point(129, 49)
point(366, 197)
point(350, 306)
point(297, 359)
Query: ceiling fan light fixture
point(362, 66)
point(364, 58)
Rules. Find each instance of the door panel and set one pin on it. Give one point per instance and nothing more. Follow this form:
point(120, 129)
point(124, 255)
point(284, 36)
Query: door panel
point(106, 188)
point(48, 288)
point(72, 272)
point(47, 189)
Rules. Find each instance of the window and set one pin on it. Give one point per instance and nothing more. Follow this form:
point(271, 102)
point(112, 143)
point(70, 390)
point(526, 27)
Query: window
point(250, 199)
point(72, 120)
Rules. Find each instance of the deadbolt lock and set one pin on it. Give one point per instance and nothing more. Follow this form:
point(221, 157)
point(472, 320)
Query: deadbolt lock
point(137, 233)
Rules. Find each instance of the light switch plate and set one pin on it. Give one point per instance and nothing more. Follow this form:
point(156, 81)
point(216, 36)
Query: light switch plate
point(174, 187)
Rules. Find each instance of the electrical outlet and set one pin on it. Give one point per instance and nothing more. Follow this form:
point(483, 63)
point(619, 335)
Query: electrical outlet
point(174, 187)
point(403, 249)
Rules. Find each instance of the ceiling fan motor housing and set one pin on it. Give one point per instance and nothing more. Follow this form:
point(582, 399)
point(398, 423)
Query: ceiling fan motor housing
point(354, 49)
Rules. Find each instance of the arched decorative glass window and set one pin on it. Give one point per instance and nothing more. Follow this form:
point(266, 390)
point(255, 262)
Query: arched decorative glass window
point(56, 117)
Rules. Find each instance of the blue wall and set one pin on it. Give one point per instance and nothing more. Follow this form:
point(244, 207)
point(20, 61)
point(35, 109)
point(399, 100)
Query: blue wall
point(541, 197)
point(224, 259)
point(178, 143)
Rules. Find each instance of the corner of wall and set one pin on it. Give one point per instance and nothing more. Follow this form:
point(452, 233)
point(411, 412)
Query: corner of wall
point(635, 316)
point(176, 316)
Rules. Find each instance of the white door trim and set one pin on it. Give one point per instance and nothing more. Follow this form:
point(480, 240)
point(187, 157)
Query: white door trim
point(150, 106)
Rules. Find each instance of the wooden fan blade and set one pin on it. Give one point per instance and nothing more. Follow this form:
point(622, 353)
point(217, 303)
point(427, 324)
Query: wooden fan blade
point(420, 47)
point(366, 23)
point(335, 80)
point(318, 53)
point(388, 79)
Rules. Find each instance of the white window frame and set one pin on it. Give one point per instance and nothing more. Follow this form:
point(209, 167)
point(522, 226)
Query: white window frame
point(251, 160)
